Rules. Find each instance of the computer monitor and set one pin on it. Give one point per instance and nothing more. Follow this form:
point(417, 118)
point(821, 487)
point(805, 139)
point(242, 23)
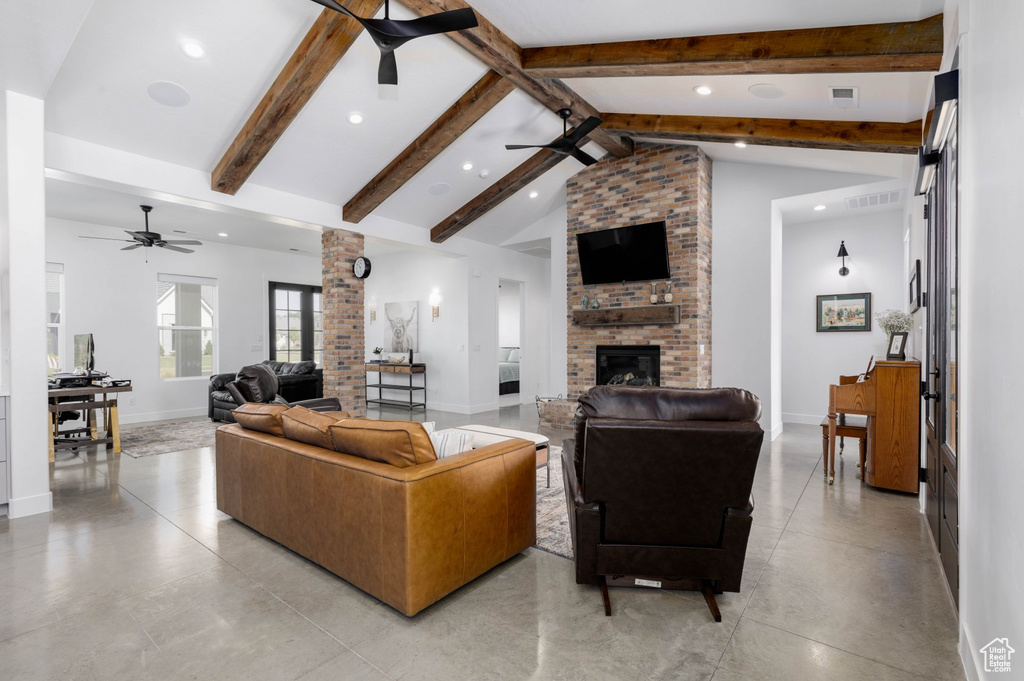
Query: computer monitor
point(84, 350)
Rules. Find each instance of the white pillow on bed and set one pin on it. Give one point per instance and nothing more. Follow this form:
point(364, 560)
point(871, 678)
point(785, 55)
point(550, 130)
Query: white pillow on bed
point(514, 355)
point(503, 354)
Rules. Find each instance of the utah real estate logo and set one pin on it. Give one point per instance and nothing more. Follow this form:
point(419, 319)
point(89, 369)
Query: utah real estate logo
point(997, 655)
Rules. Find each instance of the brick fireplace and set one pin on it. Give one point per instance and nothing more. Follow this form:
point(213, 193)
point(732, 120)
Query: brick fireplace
point(659, 182)
point(635, 365)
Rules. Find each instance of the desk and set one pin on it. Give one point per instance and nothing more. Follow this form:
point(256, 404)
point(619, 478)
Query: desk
point(85, 399)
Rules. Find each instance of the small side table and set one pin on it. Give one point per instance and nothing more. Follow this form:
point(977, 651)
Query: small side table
point(847, 425)
point(411, 389)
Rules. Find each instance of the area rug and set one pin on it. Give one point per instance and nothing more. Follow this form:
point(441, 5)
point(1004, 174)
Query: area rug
point(552, 516)
point(162, 438)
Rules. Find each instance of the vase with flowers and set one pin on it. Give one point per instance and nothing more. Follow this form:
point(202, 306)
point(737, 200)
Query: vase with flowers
point(894, 321)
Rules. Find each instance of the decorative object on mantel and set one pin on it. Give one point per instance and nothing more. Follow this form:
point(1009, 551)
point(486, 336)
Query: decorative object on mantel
point(843, 253)
point(894, 322)
point(843, 312)
point(585, 302)
point(915, 287)
point(667, 298)
point(595, 304)
point(897, 346)
point(628, 316)
point(654, 294)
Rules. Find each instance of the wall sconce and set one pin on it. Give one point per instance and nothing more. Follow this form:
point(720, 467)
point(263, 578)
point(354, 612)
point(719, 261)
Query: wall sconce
point(435, 305)
point(372, 306)
point(843, 253)
point(946, 93)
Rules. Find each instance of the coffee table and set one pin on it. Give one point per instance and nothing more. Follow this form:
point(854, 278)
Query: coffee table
point(488, 435)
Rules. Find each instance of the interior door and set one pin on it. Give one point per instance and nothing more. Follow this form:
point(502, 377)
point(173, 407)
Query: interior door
point(942, 410)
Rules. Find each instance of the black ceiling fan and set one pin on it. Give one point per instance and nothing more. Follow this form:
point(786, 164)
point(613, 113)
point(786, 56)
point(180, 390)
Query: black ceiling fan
point(390, 35)
point(149, 239)
point(567, 144)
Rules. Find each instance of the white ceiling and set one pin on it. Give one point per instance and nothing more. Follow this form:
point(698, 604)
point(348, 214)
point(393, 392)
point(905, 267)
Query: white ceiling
point(98, 93)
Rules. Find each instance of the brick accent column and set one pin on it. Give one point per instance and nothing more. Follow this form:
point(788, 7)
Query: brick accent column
point(344, 344)
point(659, 182)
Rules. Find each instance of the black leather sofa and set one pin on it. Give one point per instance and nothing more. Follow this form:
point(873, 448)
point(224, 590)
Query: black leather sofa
point(297, 381)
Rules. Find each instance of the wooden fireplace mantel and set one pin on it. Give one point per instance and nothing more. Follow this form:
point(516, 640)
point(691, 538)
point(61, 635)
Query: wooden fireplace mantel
point(623, 316)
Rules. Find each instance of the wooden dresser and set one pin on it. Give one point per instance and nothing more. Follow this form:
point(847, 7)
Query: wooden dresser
point(891, 398)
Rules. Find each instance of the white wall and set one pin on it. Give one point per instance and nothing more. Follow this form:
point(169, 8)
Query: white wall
point(745, 351)
point(412, 275)
point(811, 360)
point(991, 467)
point(112, 295)
point(508, 314)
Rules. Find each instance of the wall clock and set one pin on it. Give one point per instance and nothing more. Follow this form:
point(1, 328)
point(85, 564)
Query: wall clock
point(361, 267)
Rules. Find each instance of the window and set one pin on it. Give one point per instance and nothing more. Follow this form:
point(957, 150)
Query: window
point(296, 323)
point(186, 313)
point(54, 317)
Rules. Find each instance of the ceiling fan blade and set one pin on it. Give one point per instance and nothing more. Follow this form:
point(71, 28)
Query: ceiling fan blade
point(105, 238)
point(526, 146)
point(387, 71)
point(583, 157)
point(184, 242)
point(441, 22)
point(164, 244)
point(582, 130)
point(132, 247)
point(338, 7)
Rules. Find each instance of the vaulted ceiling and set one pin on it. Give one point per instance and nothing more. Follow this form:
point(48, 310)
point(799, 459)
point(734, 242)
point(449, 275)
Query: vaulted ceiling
point(462, 97)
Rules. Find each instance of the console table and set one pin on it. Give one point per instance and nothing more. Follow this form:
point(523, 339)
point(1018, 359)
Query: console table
point(412, 389)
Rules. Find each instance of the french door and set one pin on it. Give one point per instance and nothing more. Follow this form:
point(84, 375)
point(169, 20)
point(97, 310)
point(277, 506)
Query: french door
point(941, 406)
point(296, 323)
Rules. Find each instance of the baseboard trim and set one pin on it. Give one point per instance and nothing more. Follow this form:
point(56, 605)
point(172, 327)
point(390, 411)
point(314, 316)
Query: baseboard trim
point(26, 506)
point(806, 419)
point(162, 415)
point(775, 432)
point(972, 665)
point(486, 406)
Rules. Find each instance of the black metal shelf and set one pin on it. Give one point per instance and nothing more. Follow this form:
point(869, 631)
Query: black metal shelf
point(394, 386)
point(410, 388)
point(397, 403)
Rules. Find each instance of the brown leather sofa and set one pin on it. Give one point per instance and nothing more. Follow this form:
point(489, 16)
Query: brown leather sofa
point(657, 482)
point(406, 528)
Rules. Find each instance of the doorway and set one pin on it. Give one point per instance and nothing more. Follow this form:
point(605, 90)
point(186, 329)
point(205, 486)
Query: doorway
point(510, 342)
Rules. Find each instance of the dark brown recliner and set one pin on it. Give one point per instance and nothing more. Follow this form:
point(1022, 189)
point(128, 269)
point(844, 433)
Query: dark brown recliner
point(657, 483)
point(258, 383)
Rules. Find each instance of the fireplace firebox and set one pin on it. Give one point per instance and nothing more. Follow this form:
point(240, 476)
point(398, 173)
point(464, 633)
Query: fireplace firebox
point(628, 365)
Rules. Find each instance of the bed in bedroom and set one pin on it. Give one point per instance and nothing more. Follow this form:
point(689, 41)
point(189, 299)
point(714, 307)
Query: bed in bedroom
point(508, 371)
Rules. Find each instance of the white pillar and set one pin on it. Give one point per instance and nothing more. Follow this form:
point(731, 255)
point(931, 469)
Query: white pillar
point(26, 284)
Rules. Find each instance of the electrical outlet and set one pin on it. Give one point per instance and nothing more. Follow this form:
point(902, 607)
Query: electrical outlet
point(476, 347)
point(462, 348)
point(131, 401)
point(700, 348)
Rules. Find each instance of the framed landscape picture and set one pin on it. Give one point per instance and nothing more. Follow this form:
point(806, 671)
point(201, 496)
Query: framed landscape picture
point(844, 312)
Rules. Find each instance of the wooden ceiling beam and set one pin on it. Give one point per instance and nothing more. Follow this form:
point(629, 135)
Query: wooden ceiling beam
point(495, 49)
point(460, 116)
point(313, 60)
point(892, 138)
point(907, 46)
point(521, 176)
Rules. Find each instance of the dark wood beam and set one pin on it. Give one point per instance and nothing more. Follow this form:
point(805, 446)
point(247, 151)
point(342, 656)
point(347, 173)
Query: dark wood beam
point(493, 196)
point(319, 52)
point(495, 49)
point(909, 46)
point(893, 138)
point(459, 117)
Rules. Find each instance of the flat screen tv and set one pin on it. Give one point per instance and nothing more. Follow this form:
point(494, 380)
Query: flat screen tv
point(84, 350)
point(633, 253)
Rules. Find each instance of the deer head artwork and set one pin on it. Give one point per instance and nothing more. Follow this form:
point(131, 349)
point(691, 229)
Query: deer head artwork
point(401, 338)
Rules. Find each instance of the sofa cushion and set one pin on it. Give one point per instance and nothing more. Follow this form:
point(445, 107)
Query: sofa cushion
point(303, 368)
point(669, 404)
point(261, 382)
point(309, 427)
point(266, 418)
point(399, 443)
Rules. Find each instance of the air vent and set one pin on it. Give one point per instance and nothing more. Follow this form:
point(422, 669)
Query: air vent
point(893, 198)
point(844, 97)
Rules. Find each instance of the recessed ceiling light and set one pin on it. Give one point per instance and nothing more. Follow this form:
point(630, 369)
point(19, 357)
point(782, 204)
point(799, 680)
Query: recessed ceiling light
point(168, 94)
point(534, 195)
point(467, 166)
point(766, 91)
point(222, 234)
point(355, 118)
point(191, 48)
point(820, 207)
point(741, 145)
point(439, 189)
point(702, 90)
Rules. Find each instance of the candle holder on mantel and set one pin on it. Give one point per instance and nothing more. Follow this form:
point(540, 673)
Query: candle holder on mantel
point(664, 297)
point(595, 304)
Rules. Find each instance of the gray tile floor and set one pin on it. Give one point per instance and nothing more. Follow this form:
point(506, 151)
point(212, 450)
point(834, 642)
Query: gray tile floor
point(136, 575)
